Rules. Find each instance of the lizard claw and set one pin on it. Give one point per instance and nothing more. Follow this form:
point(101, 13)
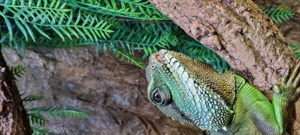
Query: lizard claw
point(285, 77)
point(290, 82)
point(276, 89)
point(297, 79)
point(295, 76)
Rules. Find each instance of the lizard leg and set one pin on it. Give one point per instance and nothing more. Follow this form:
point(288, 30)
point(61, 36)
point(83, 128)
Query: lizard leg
point(287, 94)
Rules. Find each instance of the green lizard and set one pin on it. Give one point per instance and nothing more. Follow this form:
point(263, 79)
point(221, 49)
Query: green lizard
point(192, 92)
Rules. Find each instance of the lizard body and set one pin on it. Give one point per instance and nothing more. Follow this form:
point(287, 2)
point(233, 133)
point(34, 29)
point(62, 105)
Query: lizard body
point(192, 92)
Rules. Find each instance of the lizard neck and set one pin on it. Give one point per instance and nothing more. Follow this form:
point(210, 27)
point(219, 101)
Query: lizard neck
point(242, 121)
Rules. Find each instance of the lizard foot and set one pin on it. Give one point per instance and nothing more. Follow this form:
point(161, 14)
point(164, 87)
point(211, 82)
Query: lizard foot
point(291, 82)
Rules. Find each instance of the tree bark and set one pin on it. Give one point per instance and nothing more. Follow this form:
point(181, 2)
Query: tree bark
point(239, 32)
point(13, 116)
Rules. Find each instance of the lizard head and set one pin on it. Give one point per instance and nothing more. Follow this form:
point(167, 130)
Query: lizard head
point(183, 88)
point(161, 82)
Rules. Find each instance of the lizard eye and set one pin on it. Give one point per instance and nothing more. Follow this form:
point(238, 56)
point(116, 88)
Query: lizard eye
point(157, 97)
point(160, 97)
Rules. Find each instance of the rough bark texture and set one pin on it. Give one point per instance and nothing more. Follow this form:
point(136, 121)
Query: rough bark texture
point(288, 29)
point(239, 32)
point(111, 91)
point(13, 116)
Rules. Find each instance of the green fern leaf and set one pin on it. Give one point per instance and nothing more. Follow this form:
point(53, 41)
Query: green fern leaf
point(58, 112)
point(18, 71)
point(30, 98)
point(130, 58)
point(41, 31)
point(37, 119)
point(278, 15)
point(296, 50)
point(37, 130)
point(55, 15)
point(118, 26)
point(21, 27)
point(8, 26)
point(135, 9)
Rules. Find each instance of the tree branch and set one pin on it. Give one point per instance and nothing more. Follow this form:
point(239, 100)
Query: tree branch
point(13, 116)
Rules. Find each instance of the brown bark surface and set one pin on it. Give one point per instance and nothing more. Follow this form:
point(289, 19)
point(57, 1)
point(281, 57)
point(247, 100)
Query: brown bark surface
point(239, 32)
point(113, 92)
point(289, 29)
point(13, 116)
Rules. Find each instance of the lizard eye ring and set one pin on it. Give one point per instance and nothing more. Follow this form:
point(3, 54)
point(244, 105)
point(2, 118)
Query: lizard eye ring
point(160, 97)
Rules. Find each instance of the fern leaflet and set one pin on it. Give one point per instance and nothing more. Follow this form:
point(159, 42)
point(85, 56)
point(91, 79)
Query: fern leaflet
point(278, 15)
point(18, 71)
point(296, 50)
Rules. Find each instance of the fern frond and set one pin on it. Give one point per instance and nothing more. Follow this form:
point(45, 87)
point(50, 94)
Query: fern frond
point(129, 57)
point(58, 112)
point(142, 36)
point(37, 119)
point(135, 9)
point(8, 26)
point(133, 41)
point(122, 26)
point(149, 12)
point(30, 98)
point(17, 43)
point(278, 15)
point(31, 19)
point(18, 71)
point(296, 50)
point(37, 130)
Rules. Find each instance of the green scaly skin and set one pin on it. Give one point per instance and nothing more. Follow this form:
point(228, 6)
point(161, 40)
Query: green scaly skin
point(192, 92)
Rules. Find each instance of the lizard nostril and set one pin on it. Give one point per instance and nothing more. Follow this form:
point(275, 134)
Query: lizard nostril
point(160, 55)
point(158, 58)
